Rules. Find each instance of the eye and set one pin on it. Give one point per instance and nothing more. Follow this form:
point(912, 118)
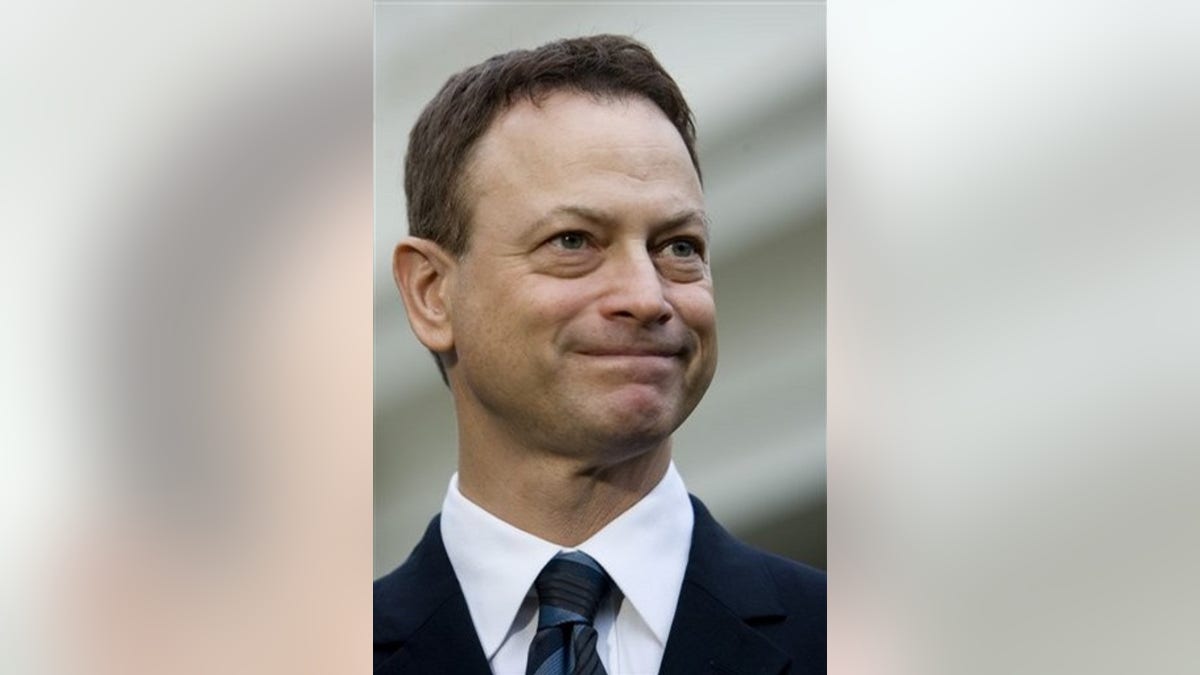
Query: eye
point(570, 241)
point(683, 248)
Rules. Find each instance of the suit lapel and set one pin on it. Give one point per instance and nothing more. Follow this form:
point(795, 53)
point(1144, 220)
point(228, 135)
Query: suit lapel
point(725, 591)
point(422, 624)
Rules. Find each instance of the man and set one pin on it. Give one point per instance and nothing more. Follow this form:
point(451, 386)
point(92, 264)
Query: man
point(558, 271)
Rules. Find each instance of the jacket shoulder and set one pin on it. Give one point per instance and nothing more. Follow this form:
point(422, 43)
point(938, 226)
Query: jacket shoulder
point(796, 581)
point(802, 594)
point(782, 600)
point(407, 595)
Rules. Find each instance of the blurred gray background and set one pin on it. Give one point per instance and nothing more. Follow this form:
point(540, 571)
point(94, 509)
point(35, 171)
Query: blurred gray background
point(754, 450)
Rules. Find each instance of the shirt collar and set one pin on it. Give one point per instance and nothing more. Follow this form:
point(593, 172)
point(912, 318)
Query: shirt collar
point(644, 551)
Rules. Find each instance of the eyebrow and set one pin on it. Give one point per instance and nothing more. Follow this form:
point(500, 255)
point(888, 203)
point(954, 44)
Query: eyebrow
point(603, 218)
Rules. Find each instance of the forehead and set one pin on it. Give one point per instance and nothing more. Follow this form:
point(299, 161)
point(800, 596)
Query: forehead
point(571, 114)
point(574, 146)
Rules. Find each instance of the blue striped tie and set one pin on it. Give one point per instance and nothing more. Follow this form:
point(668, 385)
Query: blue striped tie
point(569, 588)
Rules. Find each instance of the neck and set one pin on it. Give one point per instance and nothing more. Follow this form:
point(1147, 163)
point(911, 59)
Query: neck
point(563, 499)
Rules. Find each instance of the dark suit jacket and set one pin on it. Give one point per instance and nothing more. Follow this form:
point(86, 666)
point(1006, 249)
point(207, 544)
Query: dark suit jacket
point(740, 612)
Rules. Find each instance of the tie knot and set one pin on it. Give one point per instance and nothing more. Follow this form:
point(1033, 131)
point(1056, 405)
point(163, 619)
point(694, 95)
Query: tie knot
point(569, 588)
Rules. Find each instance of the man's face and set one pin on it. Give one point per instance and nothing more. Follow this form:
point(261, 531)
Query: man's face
point(583, 316)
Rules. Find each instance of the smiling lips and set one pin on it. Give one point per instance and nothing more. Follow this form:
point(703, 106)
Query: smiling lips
point(650, 351)
point(634, 365)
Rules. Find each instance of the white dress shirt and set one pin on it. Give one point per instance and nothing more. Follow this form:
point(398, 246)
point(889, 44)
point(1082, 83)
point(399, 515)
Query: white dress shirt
point(644, 551)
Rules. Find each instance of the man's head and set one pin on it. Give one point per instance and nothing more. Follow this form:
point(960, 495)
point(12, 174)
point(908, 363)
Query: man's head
point(437, 178)
point(559, 265)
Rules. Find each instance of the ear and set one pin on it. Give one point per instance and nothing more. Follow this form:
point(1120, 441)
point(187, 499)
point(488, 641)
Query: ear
point(423, 272)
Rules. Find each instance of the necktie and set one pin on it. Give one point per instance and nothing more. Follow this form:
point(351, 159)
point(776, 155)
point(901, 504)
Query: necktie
point(569, 588)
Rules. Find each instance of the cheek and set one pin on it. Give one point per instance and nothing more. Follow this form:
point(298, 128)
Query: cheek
point(551, 304)
point(696, 308)
point(516, 315)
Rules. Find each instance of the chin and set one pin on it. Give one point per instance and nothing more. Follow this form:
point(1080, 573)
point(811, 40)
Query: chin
point(637, 425)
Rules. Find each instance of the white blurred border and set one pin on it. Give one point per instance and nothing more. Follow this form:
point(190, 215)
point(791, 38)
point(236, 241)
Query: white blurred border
point(1013, 253)
point(182, 288)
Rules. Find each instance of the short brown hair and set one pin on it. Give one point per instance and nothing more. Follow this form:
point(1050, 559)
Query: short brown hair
point(449, 127)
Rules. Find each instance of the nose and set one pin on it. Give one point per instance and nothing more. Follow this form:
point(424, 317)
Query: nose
point(636, 291)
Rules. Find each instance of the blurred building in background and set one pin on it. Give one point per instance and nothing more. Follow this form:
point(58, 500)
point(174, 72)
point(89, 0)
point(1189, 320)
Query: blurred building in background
point(754, 450)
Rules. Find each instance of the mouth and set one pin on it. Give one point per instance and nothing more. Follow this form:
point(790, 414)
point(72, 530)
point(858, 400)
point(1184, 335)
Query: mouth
point(634, 352)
